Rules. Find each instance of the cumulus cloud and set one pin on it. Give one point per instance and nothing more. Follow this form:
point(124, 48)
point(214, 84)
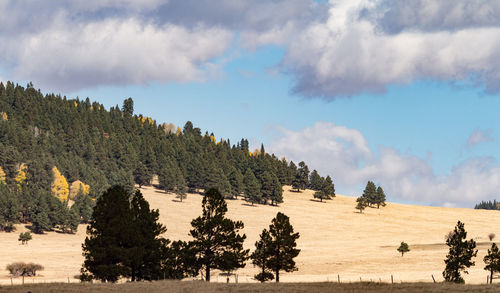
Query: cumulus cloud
point(344, 154)
point(365, 46)
point(479, 136)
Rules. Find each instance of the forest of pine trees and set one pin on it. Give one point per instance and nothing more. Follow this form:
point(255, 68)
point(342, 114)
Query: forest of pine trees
point(54, 150)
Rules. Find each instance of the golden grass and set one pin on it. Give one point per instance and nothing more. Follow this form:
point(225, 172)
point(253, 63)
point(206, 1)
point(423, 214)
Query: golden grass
point(197, 286)
point(335, 239)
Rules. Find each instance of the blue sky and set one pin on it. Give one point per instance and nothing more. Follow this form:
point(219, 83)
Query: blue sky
point(351, 87)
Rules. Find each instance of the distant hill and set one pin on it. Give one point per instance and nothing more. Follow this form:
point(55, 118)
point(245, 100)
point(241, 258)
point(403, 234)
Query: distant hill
point(49, 137)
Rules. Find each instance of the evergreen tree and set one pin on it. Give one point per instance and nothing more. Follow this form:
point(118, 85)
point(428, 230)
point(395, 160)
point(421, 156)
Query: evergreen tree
point(236, 181)
point(266, 189)
point(301, 180)
point(403, 248)
point(282, 248)
point(492, 261)
point(128, 107)
point(370, 193)
point(277, 191)
point(142, 175)
point(83, 207)
point(361, 204)
point(261, 256)
point(380, 197)
point(180, 261)
point(252, 187)
point(180, 186)
point(315, 181)
point(25, 237)
point(216, 243)
point(460, 254)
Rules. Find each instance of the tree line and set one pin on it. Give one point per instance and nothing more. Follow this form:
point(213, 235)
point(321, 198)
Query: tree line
point(124, 240)
point(92, 146)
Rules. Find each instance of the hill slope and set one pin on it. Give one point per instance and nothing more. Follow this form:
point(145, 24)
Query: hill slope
point(335, 239)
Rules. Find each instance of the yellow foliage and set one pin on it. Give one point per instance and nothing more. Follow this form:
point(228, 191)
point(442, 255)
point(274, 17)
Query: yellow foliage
point(256, 153)
point(4, 116)
point(99, 108)
point(178, 131)
point(21, 174)
point(60, 187)
point(76, 187)
point(212, 138)
point(2, 175)
point(75, 103)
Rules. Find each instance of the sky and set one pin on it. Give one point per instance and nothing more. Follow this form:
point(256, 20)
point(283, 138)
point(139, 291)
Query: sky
point(402, 93)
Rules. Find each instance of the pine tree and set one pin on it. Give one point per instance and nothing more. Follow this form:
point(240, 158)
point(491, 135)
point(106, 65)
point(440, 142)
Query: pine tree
point(277, 191)
point(236, 180)
point(492, 261)
point(282, 248)
point(25, 237)
point(180, 261)
point(252, 187)
point(83, 206)
point(142, 175)
point(460, 254)
point(216, 243)
point(128, 107)
point(180, 186)
point(380, 197)
point(370, 193)
point(260, 257)
point(361, 204)
point(266, 189)
point(315, 181)
point(403, 248)
point(301, 180)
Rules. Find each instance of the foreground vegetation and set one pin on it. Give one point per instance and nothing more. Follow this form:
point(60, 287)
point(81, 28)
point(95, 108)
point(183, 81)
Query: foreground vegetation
point(197, 286)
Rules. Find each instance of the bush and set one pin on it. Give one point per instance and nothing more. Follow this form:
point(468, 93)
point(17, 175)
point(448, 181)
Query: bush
point(24, 269)
point(24, 237)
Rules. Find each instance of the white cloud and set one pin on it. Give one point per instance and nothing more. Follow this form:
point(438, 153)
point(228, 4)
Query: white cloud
point(479, 136)
point(358, 49)
point(71, 56)
point(344, 154)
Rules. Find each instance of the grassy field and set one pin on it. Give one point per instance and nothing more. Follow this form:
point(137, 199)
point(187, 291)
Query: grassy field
point(335, 239)
point(196, 286)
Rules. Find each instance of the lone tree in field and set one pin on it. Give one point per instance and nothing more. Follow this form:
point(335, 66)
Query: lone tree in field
point(492, 261)
point(25, 237)
point(491, 236)
point(123, 238)
point(260, 257)
point(217, 244)
point(460, 254)
point(282, 248)
point(361, 204)
point(403, 248)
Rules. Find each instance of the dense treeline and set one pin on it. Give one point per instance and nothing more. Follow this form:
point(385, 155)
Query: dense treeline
point(54, 149)
point(487, 205)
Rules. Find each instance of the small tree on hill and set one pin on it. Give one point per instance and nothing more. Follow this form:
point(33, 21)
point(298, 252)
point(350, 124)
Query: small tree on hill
point(25, 237)
point(492, 261)
point(370, 193)
point(282, 248)
point(315, 181)
point(361, 204)
point(403, 248)
point(217, 244)
point(252, 187)
point(301, 180)
point(460, 254)
point(380, 197)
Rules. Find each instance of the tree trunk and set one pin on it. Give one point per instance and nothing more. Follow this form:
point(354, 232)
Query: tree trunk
point(207, 273)
point(491, 277)
point(277, 276)
point(133, 274)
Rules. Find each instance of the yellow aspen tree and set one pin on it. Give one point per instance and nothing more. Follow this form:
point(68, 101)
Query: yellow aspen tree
point(4, 116)
point(212, 138)
point(60, 187)
point(21, 175)
point(178, 131)
point(76, 187)
point(2, 176)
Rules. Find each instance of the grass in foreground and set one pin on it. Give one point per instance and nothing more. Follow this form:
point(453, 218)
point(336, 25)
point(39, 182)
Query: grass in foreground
point(198, 286)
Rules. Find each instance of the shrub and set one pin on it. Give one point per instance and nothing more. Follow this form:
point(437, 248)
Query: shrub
point(491, 236)
point(24, 237)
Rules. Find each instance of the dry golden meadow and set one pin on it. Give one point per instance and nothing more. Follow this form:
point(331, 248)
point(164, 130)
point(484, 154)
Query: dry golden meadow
point(335, 241)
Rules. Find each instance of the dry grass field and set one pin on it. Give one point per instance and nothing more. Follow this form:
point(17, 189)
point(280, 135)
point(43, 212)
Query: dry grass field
point(335, 239)
point(196, 286)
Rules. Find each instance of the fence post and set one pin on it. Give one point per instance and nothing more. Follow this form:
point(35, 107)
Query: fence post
point(392, 279)
point(338, 277)
point(433, 278)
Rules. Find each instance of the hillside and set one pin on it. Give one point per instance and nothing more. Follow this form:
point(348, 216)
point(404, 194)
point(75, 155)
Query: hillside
point(335, 239)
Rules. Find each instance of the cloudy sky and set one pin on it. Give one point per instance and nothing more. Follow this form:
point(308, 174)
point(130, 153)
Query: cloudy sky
point(404, 93)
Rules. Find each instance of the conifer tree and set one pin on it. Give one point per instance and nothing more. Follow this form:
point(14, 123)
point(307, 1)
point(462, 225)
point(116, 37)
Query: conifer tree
point(460, 255)
point(142, 175)
point(266, 189)
point(83, 206)
point(282, 248)
point(380, 197)
point(216, 239)
point(128, 107)
point(180, 186)
point(370, 193)
point(261, 256)
point(236, 181)
point(301, 180)
point(315, 181)
point(24, 237)
point(180, 261)
point(492, 261)
point(252, 187)
point(361, 204)
point(277, 191)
